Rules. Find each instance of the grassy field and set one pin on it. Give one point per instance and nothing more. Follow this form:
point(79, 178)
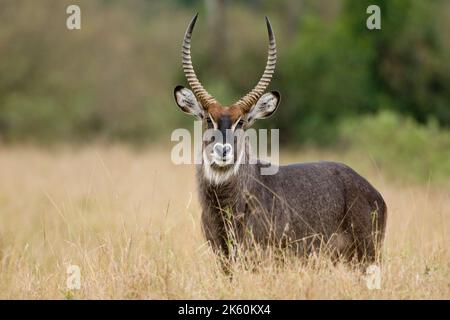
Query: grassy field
point(131, 221)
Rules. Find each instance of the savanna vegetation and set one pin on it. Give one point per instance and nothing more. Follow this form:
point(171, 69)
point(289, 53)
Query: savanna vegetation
point(86, 117)
point(130, 221)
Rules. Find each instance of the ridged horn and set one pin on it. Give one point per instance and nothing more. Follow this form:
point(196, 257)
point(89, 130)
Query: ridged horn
point(202, 95)
point(252, 97)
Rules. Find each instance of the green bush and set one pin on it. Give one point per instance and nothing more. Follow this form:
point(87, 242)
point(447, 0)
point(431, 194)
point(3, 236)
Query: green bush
point(335, 67)
point(400, 145)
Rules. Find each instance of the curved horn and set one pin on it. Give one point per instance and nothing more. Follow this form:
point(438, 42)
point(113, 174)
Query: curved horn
point(252, 97)
point(202, 95)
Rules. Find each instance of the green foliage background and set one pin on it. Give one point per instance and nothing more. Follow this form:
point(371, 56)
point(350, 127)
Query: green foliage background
point(342, 85)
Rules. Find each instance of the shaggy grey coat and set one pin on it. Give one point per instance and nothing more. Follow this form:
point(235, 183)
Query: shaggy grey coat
point(302, 207)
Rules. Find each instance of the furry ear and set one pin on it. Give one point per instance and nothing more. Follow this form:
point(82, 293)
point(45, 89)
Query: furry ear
point(265, 106)
point(187, 102)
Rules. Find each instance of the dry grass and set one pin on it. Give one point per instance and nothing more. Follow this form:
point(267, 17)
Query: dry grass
point(130, 221)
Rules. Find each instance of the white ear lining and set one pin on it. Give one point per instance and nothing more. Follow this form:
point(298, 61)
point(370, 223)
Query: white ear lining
point(264, 107)
point(188, 103)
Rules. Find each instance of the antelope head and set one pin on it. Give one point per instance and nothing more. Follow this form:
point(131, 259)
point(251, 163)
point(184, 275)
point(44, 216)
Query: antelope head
point(221, 156)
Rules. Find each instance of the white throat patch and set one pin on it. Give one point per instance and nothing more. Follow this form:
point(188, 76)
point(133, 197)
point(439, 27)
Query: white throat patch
point(216, 177)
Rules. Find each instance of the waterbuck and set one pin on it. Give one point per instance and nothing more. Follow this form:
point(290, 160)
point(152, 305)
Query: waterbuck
point(300, 208)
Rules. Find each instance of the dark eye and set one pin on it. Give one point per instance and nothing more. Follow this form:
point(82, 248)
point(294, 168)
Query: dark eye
point(209, 122)
point(240, 123)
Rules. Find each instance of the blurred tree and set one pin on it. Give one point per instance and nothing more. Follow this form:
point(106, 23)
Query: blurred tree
point(216, 12)
point(337, 69)
point(114, 78)
point(409, 68)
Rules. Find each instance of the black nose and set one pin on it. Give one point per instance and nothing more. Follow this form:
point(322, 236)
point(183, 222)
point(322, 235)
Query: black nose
point(222, 149)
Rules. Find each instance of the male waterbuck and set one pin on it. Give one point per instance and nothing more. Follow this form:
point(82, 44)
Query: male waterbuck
point(300, 208)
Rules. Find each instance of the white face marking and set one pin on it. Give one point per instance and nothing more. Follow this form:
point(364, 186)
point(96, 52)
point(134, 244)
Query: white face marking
point(212, 120)
point(233, 127)
point(217, 157)
point(216, 177)
point(210, 157)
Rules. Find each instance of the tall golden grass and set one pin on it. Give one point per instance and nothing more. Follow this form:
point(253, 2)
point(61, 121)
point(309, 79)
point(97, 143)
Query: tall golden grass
point(131, 221)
